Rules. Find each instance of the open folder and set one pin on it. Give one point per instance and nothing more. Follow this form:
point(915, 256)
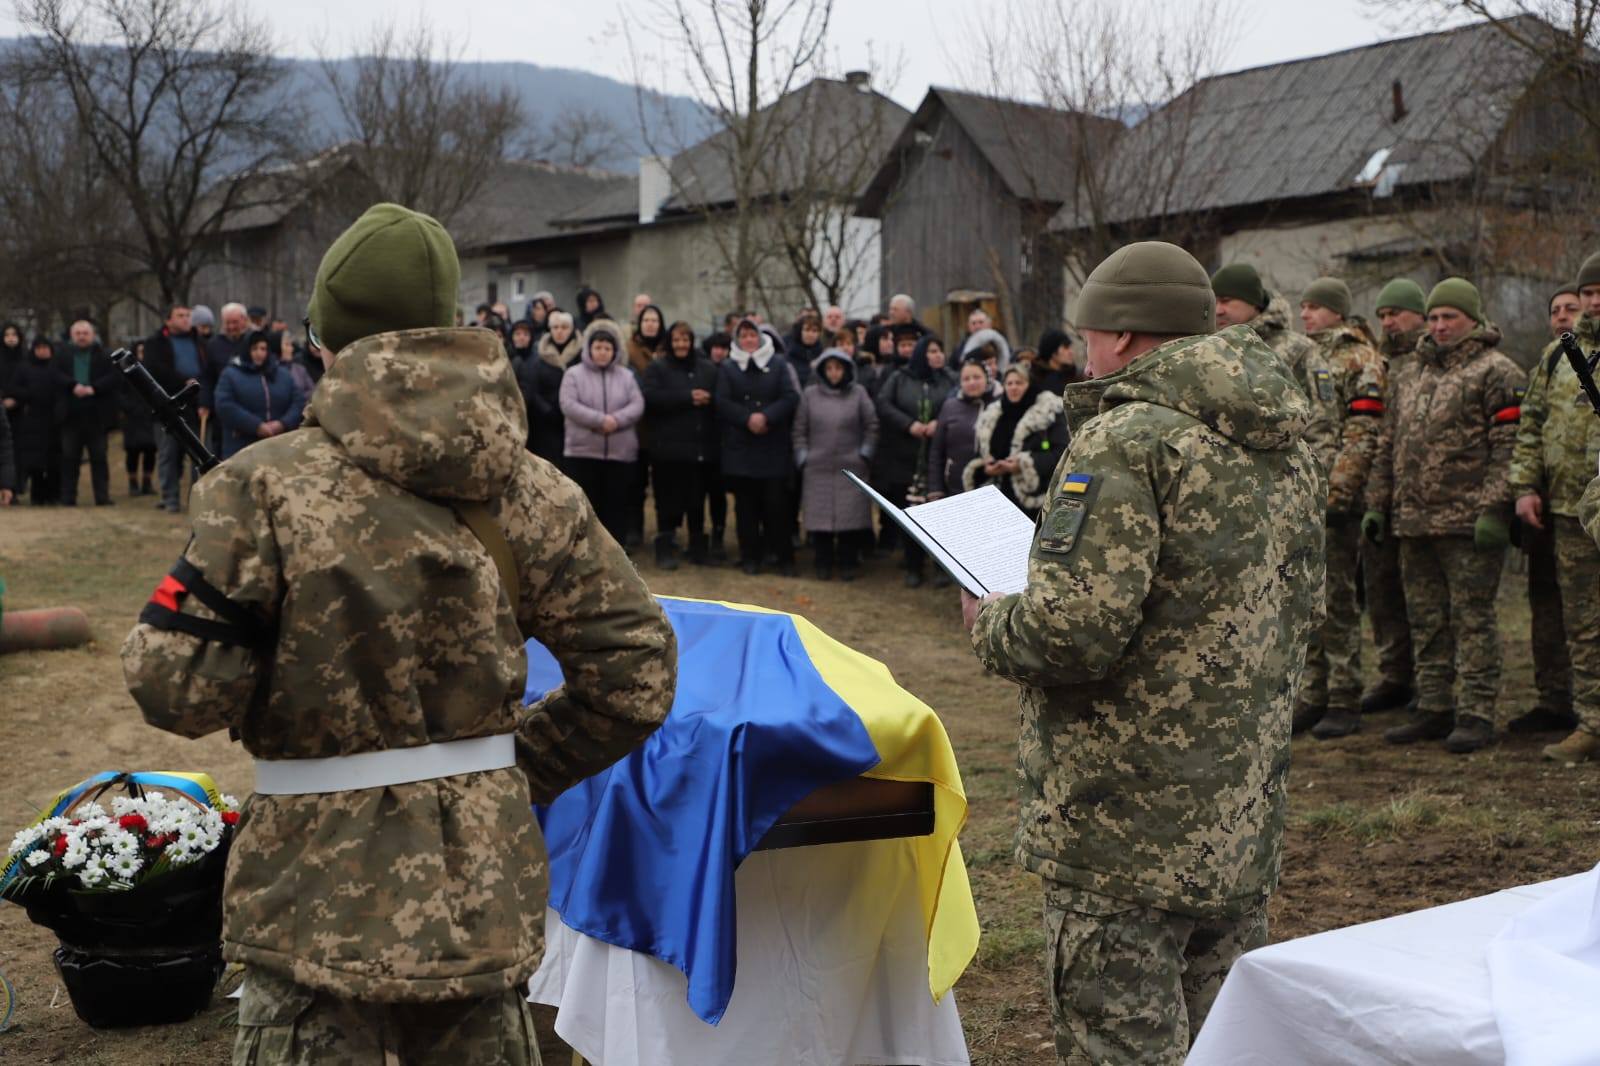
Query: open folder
point(980, 538)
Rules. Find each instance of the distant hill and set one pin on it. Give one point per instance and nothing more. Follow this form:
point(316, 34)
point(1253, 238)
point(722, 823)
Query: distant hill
point(546, 93)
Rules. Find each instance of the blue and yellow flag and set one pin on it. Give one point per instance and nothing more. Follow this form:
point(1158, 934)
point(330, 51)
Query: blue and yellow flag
point(768, 709)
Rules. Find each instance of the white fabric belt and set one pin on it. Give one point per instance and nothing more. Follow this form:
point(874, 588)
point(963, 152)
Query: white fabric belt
point(376, 769)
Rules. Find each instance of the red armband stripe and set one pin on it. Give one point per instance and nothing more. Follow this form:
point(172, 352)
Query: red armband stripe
point(167, 593)
point(1366, 407)
point(1509, 414)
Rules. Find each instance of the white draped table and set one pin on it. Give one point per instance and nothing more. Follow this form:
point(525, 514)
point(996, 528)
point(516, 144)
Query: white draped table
point(832, 971)
point(1410, 989)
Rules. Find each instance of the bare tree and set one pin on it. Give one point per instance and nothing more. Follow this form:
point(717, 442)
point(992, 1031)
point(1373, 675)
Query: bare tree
point(574, 137)
point(425, 135)
point(741, 57)
point(1133, 62)
point(178, 103)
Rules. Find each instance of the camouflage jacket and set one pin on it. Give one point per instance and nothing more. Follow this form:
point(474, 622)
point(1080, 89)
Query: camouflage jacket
point(1448, 429)
point(1173, 584)
point(1310, 371)
point(1397, 350)
point(386, 626)
point(1589, 510)
point(1558, 439)
point(1358, 379)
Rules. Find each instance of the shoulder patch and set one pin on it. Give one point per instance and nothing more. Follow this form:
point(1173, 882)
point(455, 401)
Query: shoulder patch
point(1076, 484)
point(1324, 380)
point(1059, 528)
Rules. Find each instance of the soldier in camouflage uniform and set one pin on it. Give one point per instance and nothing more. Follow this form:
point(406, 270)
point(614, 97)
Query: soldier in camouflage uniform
point(1331, 690)
point(364, 585)
point(1552, 666)
point(1441, 469)
point(1558, 445)
point(1401, 306)
point(1173, 584)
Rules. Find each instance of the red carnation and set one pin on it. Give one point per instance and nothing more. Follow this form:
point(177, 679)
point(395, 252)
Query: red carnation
point(230, 817)
point(134, 822)
point(59, 848)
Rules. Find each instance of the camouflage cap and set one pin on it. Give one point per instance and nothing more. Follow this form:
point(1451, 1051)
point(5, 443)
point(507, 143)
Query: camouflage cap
point(1589, 272)
point(393, 269)
point(1240, 281)
point(1331, 293)
point(1460, 294)
point(1403, 294)
point(1148, 287)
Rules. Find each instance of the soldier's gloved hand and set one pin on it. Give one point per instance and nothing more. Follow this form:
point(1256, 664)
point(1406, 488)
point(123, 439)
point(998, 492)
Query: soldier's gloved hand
point(1491, 533)
point(1373, 526)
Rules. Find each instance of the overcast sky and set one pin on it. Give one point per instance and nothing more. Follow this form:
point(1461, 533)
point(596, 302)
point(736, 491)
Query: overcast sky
point(926, 33)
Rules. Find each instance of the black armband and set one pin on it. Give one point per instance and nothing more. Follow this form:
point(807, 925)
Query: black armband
point(234, 624)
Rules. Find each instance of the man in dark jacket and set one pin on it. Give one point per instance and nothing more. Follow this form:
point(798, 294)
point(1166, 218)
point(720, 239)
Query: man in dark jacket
point(679, 388)
point(175, 356)
point(756, 398)
point(89, 381)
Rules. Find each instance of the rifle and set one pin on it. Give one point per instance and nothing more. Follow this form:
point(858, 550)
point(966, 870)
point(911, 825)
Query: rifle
point(167, 408)
point(1583, 366)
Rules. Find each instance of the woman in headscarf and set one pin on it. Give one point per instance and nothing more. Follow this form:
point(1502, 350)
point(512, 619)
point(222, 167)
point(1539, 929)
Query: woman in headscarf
point(602, 403)
point(540, 381)
point(954, 440)
point(756, 399)
point(36, 424)
point(835, 430)
point(590, 307)
point(649, 338)
point(1019, 441)
point(908, 406)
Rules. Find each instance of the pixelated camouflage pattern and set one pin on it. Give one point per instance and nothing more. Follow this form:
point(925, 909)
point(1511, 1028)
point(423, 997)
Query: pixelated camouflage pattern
point(1332, 676)
point(285, 1024)
point(1547, 633)
point(1448, 432)
point(1578, 568)
point(1386, 608)
point(1304, 359)
point(1131, 984)
point(1589, 510)
point(1359, 381)
point(1450, 594)
point(1163, 631)
point(393, 630)
point(1558, 438)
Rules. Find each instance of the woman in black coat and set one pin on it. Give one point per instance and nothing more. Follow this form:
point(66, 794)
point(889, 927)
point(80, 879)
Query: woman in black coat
point(1019, 440)
point(138, 438)
point(756, 400)
point(908, 409)
point(539, 377)
point(680, 418)
point(37, 424)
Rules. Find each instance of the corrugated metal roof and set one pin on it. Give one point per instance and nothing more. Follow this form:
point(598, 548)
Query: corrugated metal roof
point(823, 116)
point(1307, 128)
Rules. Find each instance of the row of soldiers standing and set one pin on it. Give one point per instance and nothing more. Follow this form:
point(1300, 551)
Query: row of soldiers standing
point(1441, 451)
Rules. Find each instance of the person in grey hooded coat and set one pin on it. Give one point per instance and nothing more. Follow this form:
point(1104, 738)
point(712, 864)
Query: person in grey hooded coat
point(835, 429)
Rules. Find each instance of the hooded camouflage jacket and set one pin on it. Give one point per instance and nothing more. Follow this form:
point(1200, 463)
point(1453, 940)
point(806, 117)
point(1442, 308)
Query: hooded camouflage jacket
point(1357, 375)
point(387, 626)
point(1310, 371)
point(1445, 449)
point(1558, 438)
point(1173, 584)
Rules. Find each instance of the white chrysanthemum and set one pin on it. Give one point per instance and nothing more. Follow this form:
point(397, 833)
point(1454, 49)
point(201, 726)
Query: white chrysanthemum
point(209, 842)
point(25, 839)
point(38, 858)
point(229, 803)
point(178, 855)
point(121, 805)
point(122, 842)
point(125, 866)
point(91, 876)
point(76, 855)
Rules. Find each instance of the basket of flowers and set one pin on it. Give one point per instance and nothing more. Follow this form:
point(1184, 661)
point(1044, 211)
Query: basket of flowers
point(131, 884)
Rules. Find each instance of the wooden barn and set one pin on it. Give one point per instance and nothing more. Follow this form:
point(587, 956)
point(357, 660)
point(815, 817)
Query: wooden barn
point(964, 198)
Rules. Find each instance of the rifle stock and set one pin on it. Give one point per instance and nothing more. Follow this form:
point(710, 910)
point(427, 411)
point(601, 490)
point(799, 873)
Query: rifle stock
point(168, 409)
point(1583, 367)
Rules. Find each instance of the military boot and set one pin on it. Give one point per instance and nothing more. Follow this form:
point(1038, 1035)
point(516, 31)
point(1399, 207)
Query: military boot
point(1337, 724)
point(1470, 734)
point(1543, 719)
point(1306, 715)
point(1385, 696)
point(1581, 746)
point(1422, 725)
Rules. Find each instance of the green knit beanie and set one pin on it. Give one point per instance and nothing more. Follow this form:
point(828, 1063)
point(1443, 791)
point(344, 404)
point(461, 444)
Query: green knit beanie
point(1240, 281)
point(1148, 287)
point(1460, 294)
point(1403, 294)
point(1570, 287)
point(1589, 273)
point(1331, 293)
point(393, 269)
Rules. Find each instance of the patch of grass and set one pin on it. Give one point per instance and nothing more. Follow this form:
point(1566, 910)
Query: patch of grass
point(1423, 813)
point(1004, 946)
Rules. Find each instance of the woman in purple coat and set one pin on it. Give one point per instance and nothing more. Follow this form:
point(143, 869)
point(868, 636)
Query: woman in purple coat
point(602, 405)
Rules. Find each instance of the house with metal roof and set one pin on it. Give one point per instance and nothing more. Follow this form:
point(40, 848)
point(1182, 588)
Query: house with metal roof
point(1394, 158)
point(964, 196)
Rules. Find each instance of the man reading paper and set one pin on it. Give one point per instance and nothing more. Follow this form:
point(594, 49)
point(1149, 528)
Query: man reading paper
point(1173, 582)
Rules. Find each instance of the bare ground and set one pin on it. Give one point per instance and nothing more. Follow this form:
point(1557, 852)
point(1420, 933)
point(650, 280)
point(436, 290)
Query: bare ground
point(1373, 830)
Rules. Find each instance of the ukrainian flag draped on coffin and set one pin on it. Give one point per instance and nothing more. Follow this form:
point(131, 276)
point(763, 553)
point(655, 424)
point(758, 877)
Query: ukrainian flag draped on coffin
point(768, 709)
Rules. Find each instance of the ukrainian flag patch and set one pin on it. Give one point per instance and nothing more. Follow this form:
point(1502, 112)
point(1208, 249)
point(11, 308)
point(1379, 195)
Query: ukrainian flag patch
point(1076, 484)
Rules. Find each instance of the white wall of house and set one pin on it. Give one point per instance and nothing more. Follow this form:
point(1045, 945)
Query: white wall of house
point(1289, 258)
point(863, 244)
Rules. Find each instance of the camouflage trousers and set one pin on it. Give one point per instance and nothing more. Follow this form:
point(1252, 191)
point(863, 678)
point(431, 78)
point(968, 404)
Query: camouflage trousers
point(1332, 677)
point(1578, 566)
point(1132, 984)
point(1450, 594)
point(1552, 669)
point(1386, 607)
point(285, 1024)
